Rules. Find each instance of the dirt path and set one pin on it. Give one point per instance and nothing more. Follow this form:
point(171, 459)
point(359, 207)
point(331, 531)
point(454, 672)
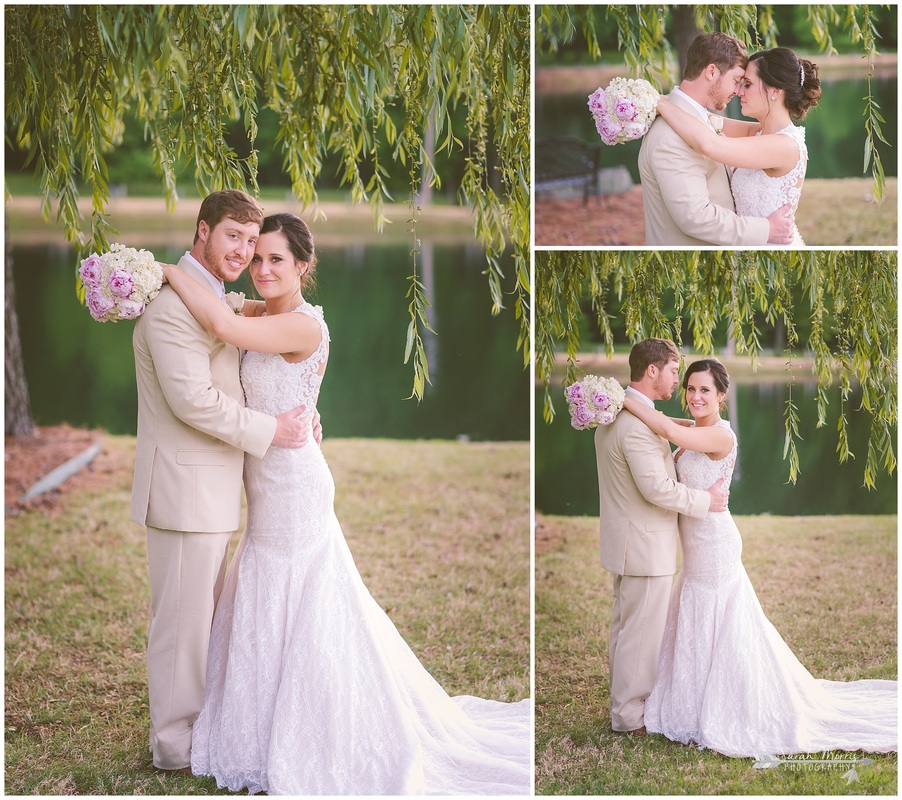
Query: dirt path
point(618, 219)
point(29, 458)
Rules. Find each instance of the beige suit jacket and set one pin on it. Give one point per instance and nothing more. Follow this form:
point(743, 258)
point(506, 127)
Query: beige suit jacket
point(640, 499)
point(193, 428)
point(686, 195)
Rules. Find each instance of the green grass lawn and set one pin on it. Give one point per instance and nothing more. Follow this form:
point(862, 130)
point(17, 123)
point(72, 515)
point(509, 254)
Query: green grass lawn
point(439, 531)
point(827, 583)
point(842, 213)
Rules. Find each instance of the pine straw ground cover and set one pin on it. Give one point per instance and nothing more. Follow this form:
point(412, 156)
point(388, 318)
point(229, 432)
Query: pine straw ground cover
point(827, 583)
point(439, 530)
point(838, 212)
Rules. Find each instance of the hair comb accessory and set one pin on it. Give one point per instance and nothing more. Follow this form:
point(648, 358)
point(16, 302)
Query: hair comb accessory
point(801, 74)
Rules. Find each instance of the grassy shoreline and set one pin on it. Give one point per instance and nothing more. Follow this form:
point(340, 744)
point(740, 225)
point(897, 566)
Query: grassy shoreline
point(148, 217)
point(439, 531)
point(827, 584)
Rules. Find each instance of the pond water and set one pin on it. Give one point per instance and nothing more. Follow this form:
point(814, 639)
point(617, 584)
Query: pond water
point(834, 131)
point(567, 483)
point(82, 372)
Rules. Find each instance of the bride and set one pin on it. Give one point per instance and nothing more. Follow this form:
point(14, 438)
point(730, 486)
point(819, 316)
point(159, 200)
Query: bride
point(769, 157)
point(310, 688)
point(726, 680)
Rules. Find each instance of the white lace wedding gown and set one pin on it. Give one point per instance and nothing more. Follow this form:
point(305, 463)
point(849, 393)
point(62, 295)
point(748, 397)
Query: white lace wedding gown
point(726, 680)
point(757, 194)
point(310, 688)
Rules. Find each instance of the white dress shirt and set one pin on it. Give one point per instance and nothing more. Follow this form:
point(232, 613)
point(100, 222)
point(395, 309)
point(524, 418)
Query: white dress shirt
point(637, 395)
point(217, 284)
point(700, 111)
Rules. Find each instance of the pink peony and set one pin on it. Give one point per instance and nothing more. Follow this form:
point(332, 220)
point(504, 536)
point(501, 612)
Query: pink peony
point(608, 129)
point(625, 109)
point(601, 401)
point(121, 283)
point(99, 304)
point(91, 270)
point(582, 417)
point(130, 309)
point(575, 393)
point(598, 102)
point(635, 130)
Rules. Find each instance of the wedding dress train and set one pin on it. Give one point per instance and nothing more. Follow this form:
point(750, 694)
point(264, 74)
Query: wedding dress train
point(310, 688)
point(726, 680)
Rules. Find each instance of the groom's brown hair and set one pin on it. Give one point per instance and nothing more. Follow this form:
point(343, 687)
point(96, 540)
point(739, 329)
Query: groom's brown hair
point(719, 49)
point(230, 203)
point(659, 352)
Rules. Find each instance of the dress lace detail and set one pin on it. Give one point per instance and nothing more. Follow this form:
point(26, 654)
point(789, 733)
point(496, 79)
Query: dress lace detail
point(726, 680)
point(757, 194)
point(310, 688)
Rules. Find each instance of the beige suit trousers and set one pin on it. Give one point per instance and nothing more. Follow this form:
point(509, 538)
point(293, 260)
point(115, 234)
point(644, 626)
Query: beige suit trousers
point(637, 629)
point(186, 576)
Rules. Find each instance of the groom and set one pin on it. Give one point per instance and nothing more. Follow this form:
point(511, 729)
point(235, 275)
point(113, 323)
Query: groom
point(193, 431)
point(686, 195)
point(640, 499)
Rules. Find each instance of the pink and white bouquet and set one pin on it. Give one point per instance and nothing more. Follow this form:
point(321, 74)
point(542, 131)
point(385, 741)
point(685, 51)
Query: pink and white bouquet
point(120, 283)
point(625, 110)
point(594, 401)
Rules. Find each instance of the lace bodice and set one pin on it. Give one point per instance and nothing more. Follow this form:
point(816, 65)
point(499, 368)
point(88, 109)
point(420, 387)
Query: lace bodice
point(698, 471)
point(757, 194)
point(273, 385)
point(711, 546)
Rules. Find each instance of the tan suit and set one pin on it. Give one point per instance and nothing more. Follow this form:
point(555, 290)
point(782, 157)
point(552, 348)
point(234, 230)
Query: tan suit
point(686, 195)
point(193, 430)
point(639, 503)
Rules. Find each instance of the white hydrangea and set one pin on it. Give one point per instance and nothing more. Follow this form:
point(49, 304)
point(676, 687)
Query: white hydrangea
point(625, 110)
point(120, 283)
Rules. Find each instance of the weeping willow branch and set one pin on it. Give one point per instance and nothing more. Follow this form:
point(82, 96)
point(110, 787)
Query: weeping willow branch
point(641, 36)
point(847, 300)
point(329, 73)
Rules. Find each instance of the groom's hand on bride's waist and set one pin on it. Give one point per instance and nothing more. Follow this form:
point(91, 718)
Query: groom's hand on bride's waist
point(292, 428)
point(782, 225)
point(317, 428)
point(720, 497)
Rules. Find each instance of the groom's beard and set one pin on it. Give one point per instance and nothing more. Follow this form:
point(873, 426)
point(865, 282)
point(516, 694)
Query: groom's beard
point(719, 98)
point(215, 262)
point(664, 390)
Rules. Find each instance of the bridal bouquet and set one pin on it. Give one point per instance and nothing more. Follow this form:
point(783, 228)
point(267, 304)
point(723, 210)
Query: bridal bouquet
point(594, 401)
point(625, 110)
point(120, 283)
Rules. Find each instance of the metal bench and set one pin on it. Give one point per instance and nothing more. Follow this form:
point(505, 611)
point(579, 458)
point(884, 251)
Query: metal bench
point(566, 162)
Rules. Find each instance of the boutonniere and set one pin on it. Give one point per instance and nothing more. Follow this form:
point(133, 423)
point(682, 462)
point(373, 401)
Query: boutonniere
point(717, 123)
point(235, 301)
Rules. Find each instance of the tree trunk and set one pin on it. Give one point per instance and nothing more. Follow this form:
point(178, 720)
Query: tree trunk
point(684, 31)
point(18, 412)
point(426, 188)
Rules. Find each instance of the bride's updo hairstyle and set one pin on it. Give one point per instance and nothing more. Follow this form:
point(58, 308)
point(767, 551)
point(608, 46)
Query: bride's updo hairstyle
point(781, 68)
point(718, 373)
point(300, 242)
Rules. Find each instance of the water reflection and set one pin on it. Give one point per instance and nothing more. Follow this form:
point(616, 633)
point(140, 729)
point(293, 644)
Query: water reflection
point(566, 480)
point(82, 372)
